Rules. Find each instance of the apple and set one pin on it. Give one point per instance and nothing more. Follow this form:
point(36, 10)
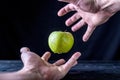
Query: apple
point(60, 42)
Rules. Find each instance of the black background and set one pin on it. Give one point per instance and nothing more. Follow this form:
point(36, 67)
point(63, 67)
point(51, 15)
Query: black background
point(29, 23)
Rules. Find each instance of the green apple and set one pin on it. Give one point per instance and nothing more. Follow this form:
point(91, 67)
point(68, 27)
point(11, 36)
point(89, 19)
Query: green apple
point(60, 42)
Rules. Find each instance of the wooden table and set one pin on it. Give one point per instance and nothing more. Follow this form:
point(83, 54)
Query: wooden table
point(85, 70)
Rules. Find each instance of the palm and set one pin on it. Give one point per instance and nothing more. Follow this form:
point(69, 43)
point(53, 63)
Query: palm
point(47, 70)
point(92, 19)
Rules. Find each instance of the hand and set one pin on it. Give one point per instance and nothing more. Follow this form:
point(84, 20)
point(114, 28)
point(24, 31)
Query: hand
point(41, 69)
point(91, 12)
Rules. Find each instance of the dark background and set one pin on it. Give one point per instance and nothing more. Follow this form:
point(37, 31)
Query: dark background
point(29, 23)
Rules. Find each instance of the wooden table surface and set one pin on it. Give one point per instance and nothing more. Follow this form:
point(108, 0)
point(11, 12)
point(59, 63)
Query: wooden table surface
point(85, 70)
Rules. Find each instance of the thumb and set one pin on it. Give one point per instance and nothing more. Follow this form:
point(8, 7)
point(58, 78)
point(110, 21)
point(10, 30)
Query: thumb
point(29, 58)
point(25, 55)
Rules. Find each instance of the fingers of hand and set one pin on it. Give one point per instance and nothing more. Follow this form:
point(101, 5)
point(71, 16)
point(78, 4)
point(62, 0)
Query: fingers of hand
point(59, 62)
point(77, 26)
point(88, 33)
point(73, 19)
point(68, 8)
point(75, 63)
point(72, 61)
point(46, 56)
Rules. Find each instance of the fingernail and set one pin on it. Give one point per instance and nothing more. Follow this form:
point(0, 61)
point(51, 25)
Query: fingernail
point(24, 49)
point(78, 54)
point(73, 29)
point(85, 39)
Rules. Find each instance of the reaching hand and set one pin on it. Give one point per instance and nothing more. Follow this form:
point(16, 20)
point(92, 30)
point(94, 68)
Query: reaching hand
point(91, 12)
point(42, 69)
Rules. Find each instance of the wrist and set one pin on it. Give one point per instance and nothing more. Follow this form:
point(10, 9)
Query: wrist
point(29, 75)
point(21, 75)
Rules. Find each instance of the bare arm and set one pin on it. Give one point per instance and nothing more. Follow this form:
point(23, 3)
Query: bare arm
point(38, 68)
point(14, 76)
point(22, 74)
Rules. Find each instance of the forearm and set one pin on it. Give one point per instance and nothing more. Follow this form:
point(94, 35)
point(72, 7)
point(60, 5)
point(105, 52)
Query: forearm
point(14, 76)
point(10, 76)
point(19, 75)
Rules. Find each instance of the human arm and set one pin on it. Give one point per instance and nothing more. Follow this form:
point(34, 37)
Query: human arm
point(38, 68)
point(19, 75)
point(90, 12)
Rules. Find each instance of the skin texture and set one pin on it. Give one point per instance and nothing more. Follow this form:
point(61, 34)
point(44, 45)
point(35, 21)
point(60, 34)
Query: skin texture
point(90, 12)
point(38, 68)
